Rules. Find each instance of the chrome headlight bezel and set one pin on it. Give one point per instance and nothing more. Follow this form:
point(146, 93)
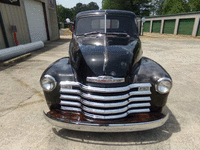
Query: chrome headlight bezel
point(162, 80)
point(52, 83)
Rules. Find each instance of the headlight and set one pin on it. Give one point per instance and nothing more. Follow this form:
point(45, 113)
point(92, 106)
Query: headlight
point(48, 83)
point(163, 85)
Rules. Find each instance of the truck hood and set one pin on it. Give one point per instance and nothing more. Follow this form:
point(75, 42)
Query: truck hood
point(112, 60)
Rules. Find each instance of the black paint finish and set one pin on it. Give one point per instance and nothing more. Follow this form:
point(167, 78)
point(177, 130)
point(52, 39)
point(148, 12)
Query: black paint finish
point(87, 59)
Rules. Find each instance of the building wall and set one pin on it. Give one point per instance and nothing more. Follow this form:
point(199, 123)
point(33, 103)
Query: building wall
point(15, 15)
point(54, 34)
point(187, 24)
point(52, 21)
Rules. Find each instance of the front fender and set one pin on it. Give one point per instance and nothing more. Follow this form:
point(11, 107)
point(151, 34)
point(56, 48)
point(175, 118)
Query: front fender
point(148, 71)
point(61, 70)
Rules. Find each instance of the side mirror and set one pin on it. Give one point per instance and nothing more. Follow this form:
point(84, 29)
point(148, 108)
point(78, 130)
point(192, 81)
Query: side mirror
point(68, 20)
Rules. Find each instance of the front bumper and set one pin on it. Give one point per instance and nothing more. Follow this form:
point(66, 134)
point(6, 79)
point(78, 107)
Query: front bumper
point(112, 127)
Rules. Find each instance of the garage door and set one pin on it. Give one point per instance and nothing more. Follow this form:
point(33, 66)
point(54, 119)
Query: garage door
point(156, 26)
point(146, 27)
point(169, 26)
point(186, 26)
point(198, 33)
point(36, 22)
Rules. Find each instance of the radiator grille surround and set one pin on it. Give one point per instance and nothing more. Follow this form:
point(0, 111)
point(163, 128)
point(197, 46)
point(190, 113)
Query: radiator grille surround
point(105, 103)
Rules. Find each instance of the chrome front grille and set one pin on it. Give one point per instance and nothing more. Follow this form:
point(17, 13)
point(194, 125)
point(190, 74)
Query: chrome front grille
point(105, 103)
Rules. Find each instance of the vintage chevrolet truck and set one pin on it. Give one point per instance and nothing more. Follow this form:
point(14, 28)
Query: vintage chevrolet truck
point(106, 85)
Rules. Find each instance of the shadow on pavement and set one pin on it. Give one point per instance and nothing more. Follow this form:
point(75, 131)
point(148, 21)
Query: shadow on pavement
point(124, 139)
point(47, 47)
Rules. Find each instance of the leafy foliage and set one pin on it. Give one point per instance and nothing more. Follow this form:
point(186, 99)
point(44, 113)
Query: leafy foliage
point(194, 5)
point(139, 7)
point(63, 13)
point(175, 6)
point(158, 6)
point(83, 7)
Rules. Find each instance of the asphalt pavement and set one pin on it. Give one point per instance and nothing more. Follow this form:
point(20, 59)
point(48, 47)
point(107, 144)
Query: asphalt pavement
point(23, 127)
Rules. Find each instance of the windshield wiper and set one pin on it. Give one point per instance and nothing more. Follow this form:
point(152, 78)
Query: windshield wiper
point(117, 33)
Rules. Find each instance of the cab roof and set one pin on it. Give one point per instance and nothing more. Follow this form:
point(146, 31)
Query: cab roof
point(102, 12)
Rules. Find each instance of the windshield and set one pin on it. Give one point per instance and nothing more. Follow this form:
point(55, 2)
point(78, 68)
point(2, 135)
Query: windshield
point(114, 24)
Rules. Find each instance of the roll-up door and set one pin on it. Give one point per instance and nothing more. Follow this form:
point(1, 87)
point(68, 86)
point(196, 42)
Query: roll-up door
point(198, 33)
point(169, 26)
point(156, 26)
point(146, 27)
point(36, 21)
point(186, 26)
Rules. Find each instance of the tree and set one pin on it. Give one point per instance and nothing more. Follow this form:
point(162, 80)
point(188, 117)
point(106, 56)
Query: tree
point(175, 6)
point(139, 7)
point(194, 5)
point(92, 6)
point(158, 6)
point(63, 13)
point(83, 7)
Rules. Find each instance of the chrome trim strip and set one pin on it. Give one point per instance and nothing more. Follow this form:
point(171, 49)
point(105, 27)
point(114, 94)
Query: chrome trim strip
point(69, 97)
point(94, 116)
point(70, 103)
point(93, 127)
point(117, 104)
point(145, 110)
point(70, 108)
point(118, 110)
point(139, 105)
point(105, 98)
point(109, 98)
point(105, 79)
point(105, 112)
point(70, 91)
point(100, 113)
point(139, 99)
point(103, 90)
point(105, 105)
point(140, 93)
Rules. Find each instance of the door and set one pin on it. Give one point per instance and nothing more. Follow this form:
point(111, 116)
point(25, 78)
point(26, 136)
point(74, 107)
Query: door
point(36, 22)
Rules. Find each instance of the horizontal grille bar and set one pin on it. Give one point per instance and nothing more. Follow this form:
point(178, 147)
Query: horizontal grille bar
point(146, 110)
point(64, 84)
point(105, 105)
point(103, 98)
point(70, 108)
point(110, 111)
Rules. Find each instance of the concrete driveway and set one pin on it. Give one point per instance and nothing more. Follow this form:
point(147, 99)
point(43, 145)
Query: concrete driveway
point(22, 125)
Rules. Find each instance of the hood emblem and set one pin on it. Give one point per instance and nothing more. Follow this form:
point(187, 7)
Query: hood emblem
point(105, 79)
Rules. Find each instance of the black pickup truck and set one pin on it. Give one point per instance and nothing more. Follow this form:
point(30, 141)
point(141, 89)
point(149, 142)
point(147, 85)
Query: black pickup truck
point(106, 85)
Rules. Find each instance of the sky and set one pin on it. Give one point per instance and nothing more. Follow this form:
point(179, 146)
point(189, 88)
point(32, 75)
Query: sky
point(72, 3)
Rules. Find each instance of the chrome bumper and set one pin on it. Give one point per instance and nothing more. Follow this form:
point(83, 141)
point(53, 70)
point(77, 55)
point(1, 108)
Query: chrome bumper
point(91, 127)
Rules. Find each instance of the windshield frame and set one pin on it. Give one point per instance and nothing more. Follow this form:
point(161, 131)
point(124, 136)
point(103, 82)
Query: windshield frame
point(105, 29)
